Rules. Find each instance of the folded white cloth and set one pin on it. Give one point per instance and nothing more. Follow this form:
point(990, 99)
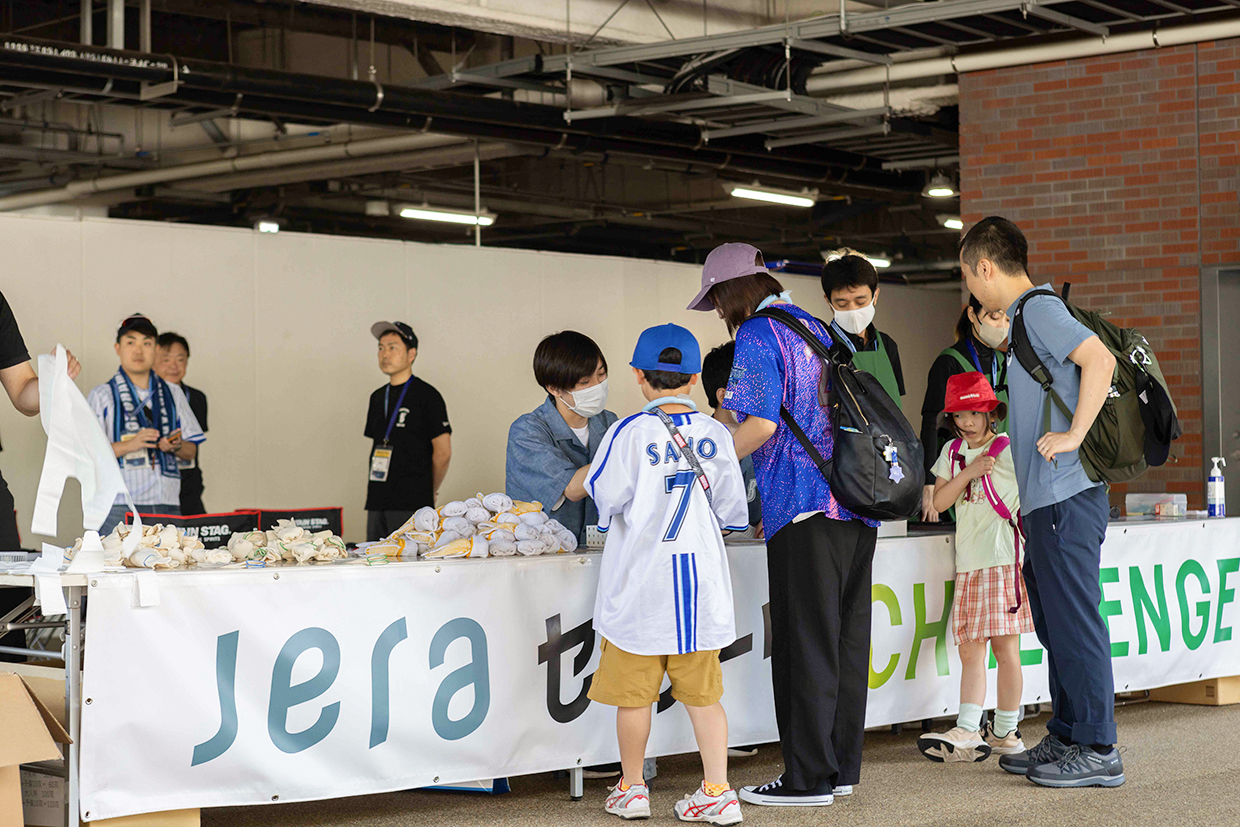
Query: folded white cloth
point(420, 537)
point(507, 518)
point(568, 540)
point(479, 547)
point(474, 502)
point(426, 519)
point(459, 547)
point(460, 525)
point(504, 548)
point(497, 502)
point(526, 532)
point(555, 525)
point(534, 518)
point(502, 535)
point(445, 538)
point(478, 515)
point(454, 509)
point(531, 548)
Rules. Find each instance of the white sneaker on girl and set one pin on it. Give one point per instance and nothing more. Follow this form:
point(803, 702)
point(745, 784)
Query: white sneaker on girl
point(631, 803)
point(720, 809)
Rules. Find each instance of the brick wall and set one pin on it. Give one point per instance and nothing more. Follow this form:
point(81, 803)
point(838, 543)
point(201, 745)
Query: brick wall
point(1123, 172)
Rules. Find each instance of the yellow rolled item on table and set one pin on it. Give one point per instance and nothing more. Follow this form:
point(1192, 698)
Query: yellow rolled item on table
point(519, 507)
point(390, 548)
point(456, 548)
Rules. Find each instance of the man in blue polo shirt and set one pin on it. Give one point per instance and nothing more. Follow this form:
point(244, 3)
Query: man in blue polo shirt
point(1065, 513)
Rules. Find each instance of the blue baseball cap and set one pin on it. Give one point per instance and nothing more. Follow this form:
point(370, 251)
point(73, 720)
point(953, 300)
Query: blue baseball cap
point(654, 340)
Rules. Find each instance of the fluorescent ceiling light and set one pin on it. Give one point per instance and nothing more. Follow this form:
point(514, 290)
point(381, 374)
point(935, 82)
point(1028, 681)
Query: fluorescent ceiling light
point(425, 213)
point(940, 186)
point(878, 262)
point(953, 224)
point(267, 227)
point(755, 192)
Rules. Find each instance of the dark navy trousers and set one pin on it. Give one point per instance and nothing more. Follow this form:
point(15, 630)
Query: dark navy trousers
point(1062, 557)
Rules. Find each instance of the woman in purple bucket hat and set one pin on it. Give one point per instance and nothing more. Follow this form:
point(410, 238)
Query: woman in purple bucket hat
point(819, 554)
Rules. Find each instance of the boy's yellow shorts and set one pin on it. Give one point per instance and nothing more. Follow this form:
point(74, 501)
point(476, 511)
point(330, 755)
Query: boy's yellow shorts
point(625, 679)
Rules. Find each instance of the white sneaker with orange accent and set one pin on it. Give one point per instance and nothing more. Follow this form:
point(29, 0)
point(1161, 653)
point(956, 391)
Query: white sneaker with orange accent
point(721, 809)
point(631, 803)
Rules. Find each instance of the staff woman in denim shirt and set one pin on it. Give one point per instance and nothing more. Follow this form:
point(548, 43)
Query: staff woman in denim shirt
point(550, 448)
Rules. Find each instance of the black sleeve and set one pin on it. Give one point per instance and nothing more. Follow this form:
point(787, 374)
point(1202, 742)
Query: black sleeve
point(436, 414)
point(198, 404)
point(372, 430)
point(12, 348)
point(893, 353)
point(943, 369)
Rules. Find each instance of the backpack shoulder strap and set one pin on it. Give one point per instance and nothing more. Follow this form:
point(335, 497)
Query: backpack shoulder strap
point(955, 456)
point(996, 447)
point(1019, 341)
point(794, 324)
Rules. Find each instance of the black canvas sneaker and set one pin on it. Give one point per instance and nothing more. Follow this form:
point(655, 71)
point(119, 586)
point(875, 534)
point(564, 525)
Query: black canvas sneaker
point(775, 794)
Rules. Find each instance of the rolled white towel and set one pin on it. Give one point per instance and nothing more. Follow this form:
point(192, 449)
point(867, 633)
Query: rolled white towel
point(460, 525)
point(168, 537)
point(454, 509)
point(502, 535)
point(459, 547)
point(474, 502)
point(487, 527)
point(531, 548)
point(176, 553)
point(507, 518)
point(497, 503)
point(526, 532)
point(419, 537)
point(426, 519)
point(504, 548)
point(240, 550)
point(555, 525)
point(479, 547)
point(303, 552)
point(478, 515)
point(534, 518)
point(568, 540)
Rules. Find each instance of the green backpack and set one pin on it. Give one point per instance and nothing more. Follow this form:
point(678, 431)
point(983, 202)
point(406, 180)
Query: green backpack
point(1138, 421)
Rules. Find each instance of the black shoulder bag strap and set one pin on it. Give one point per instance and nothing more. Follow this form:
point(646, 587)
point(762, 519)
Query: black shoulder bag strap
point(829, 360)
point(1031, 363)
point(688, 453)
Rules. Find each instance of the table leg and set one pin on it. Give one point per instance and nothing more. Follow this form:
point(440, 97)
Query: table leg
point(576, 784)
point(73, 701)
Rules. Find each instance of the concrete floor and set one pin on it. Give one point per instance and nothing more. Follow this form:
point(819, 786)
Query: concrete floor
point(1182, 763)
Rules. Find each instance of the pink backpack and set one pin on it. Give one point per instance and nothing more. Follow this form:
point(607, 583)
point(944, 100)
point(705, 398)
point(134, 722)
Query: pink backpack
point(996, 502)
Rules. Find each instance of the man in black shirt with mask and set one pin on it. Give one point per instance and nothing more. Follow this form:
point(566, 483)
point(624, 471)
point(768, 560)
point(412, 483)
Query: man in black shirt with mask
point(408, 423)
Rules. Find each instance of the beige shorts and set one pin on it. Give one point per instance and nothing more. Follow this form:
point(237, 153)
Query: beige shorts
point(625, 679)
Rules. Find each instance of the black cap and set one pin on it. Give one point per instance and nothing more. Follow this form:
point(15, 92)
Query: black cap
point(401, 329)
point(137, 323)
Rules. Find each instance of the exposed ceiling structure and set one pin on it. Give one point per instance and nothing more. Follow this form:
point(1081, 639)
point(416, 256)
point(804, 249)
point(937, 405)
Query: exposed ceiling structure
point(337, 116)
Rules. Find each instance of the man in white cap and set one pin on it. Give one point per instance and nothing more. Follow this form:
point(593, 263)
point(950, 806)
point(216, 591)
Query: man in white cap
point(408, 423)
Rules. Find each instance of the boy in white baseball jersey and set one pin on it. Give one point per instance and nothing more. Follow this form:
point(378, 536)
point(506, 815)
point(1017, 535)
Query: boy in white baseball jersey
point(667, 484)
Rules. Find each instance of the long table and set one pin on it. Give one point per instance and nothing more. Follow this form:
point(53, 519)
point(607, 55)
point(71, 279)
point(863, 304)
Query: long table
point(231, 687)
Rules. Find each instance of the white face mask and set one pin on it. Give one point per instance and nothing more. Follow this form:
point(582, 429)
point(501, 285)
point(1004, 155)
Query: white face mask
point(991, 336)
point(855, 321)
point(589, 401)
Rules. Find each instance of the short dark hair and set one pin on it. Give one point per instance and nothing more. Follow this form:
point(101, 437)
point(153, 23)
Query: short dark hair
point(964, 326)
point(563, 359)
point(666, 380)
point(998, 240)
point(716, 368)
point(738, 298)
point(170, 339)
point(404, 340)
point(847, 271)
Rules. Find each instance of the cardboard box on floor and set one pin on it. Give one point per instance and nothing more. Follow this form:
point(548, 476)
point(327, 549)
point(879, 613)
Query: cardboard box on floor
point(31, 734)
point(1214, 692)
point(43, 689)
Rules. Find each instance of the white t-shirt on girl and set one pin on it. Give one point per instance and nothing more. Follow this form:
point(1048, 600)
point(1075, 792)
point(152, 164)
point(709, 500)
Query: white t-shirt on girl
point(983, 538)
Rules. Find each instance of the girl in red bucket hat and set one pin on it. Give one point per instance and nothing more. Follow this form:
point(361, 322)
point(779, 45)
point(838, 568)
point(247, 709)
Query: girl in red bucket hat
point(975, 473)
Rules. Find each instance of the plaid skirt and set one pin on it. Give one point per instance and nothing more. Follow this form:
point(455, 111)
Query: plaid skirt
point(983, 598)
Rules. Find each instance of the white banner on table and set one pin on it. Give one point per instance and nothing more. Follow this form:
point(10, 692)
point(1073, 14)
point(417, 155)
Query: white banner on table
point(254, 686)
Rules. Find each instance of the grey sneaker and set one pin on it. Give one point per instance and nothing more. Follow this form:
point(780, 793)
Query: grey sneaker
point(1080, 766)
point(1049, 750)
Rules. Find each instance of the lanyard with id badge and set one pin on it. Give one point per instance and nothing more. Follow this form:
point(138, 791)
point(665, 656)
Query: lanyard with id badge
point(142, 412)
point(381, 458)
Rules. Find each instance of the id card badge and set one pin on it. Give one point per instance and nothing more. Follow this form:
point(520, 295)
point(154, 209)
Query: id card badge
point(138, 459)
point(380, 461)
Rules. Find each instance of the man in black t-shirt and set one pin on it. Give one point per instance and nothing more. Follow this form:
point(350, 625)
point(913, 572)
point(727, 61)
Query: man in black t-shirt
point(408, 423)
point(171, 363)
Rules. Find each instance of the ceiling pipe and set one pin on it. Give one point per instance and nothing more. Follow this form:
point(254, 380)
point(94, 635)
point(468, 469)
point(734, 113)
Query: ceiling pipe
point(1044, 53)
point(243, 163)
point(320, 99)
